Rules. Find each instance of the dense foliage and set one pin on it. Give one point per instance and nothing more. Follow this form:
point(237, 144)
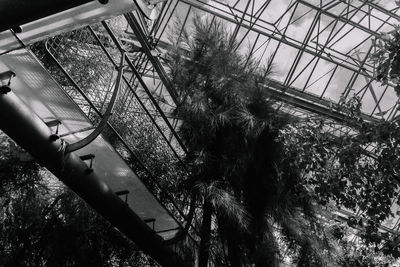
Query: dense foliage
point(262, 175)
point(254, 197)
point(42, 223)
point(346, 173)
point(387, 58)
point(270, 185)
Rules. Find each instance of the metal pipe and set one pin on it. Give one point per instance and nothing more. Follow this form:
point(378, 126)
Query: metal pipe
point(14, 13)
point(20, 122)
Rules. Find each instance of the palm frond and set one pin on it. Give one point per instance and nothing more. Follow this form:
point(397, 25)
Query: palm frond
point(226, 205)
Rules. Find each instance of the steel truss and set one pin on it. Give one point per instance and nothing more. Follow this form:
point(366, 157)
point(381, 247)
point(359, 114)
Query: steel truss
point(331, 25)
point(135, 105)
point(147, 97)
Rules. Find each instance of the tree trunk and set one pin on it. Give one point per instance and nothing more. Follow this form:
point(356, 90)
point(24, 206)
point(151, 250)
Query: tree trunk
point(204, 251)
point(234, 254)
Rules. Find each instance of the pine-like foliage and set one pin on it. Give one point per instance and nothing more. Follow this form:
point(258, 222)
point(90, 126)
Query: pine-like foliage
point(42, 223)
point(231, 131)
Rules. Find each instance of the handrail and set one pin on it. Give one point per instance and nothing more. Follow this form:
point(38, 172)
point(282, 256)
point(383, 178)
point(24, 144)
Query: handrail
point(140, 80)
point(189, 217)
point(83, 94)
point(93, 135)
point(191, 213)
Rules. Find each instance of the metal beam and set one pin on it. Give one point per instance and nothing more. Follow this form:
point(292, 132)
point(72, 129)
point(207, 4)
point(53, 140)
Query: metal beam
point(277, 36)
point(20, 122)
point(14, 13)
point(341, 19)
point(310, 102)
point(297, 97)
point(133, 23)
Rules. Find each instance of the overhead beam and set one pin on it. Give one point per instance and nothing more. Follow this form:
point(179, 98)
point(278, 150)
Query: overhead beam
point(146, 46)
point(340, 18)
point(295, 97)
point(310, 102)
point(275, 35)
point(14, 13)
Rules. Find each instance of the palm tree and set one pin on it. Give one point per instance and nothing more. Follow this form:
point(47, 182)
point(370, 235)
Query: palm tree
point(250, 190)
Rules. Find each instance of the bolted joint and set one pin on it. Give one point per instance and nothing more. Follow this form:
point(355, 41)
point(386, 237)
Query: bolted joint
point(88, 171)
point(54, 137)
point(90, 157)
point(5, 79)
point(5, 89)
point(17, 29)
point(54, 123)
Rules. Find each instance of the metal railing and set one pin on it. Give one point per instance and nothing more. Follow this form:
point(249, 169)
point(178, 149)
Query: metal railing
point(84, 63)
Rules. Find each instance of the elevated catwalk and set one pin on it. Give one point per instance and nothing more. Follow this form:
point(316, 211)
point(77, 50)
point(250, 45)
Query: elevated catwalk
point(37, 101)
point(37, 89)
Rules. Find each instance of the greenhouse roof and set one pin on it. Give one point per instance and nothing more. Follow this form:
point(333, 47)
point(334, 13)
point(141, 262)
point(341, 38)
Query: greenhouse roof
point(319, 49)
point(320, 52)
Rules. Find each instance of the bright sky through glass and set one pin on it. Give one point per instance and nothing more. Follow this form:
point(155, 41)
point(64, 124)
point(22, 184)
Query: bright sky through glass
point(318, 47)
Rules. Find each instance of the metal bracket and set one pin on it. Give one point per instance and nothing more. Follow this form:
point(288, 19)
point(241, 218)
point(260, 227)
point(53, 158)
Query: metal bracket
point(133, 48)
point(54, 137)
point(96, 132)
point(17, 29)
point(4, 89)
point(123, 193)
point(88, 157)
point(150, 220)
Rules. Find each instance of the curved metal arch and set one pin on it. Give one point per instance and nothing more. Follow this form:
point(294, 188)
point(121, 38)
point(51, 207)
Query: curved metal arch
point(99, 129)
